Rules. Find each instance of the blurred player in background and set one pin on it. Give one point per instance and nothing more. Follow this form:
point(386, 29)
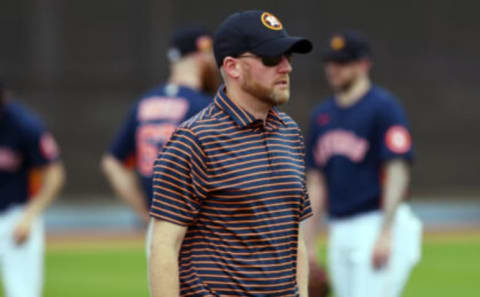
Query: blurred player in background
point(359, 152)
point(230, 184)
point(152, 120)
point(31, 175)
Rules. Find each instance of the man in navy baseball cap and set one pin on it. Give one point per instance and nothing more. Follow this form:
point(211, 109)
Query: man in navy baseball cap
point(346, 47)
point(258, 32)
point(187, 43)
point(189, 40)
point(250, 156)
point(360, 151)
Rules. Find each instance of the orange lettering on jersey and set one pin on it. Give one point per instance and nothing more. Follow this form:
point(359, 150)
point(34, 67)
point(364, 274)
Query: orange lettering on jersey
point(343, 143)
point(162, 108)
point(9, 160)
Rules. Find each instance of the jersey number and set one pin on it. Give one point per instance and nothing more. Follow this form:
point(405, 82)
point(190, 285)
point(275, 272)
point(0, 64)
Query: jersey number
point(150, 139)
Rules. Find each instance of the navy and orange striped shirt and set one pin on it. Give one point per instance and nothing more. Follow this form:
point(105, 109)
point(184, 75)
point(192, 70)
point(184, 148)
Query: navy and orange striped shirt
point(238, 184)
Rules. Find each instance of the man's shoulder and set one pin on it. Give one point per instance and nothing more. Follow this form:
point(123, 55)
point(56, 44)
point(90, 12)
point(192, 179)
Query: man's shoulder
point(22, 117)
point(381, 95)
point(383, 100)
point(201, 119)
point(326, 105)
point(172, 91)
point(157, 91)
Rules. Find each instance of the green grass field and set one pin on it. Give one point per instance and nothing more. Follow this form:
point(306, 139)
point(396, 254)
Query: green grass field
point(117, 268)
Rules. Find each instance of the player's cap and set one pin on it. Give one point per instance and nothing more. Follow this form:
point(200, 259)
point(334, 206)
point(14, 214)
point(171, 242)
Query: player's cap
point(188, 40)
point(258, 32)
point(346, 47)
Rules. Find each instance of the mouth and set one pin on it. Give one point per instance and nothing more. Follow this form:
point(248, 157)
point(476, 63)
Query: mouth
point(282, 83)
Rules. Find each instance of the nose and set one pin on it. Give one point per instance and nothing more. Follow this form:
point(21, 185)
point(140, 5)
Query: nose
point(285, 66)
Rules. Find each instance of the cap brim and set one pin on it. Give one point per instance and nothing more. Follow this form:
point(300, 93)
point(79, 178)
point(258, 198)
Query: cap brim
point(337, 56)
point(344, 57)
point(283, 45)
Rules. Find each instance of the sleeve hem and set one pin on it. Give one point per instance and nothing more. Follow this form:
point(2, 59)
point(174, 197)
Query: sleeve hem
point(167, 219)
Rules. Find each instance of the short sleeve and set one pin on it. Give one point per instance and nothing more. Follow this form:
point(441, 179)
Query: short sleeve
point(179, 179)
point(123, 145)
point(40, 147)
point(394, 132)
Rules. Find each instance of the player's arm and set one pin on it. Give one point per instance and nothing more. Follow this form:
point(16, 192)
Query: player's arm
point(121, 177)
point(53, 178)
point(396, 152)
point(397, 179)
point(316, 190)
point(163, 261)
point(302, 263)
point(125, 184)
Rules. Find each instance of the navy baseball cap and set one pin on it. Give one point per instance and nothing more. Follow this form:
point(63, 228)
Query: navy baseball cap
point(258, 32)
point(346, 47)
point(188, 40)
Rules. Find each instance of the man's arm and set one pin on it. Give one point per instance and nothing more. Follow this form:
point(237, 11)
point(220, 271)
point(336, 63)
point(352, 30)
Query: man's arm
point(397, 179)
point(302, 263)
point(316, 191)
point(53, 178)
point(125, 184)
point(163, 261)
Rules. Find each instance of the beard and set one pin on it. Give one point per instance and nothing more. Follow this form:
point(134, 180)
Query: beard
point(210, 79)
point(344, 86)
point(274, 95)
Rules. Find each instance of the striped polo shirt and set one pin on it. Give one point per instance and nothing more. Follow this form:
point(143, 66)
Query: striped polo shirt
point(238, 185)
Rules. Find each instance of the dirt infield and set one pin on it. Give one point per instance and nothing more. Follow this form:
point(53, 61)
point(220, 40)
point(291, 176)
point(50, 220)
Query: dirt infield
point(125, 240)
point(95, 240)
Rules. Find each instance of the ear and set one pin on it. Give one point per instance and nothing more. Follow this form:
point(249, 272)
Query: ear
point(231, 67)
point(366, 64)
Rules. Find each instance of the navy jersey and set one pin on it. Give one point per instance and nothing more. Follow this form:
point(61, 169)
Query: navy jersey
point(24, 145)
point(149, 125)
point(350, 144)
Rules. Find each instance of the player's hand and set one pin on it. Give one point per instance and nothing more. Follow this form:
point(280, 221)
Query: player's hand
point(318, 285)
point(382, 250)
point(22, 231)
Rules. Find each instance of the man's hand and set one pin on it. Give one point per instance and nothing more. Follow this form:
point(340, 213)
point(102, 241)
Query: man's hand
point(22, 231)
point(382, 250)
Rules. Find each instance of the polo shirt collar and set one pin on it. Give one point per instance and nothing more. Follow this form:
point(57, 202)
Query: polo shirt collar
point(240, 116)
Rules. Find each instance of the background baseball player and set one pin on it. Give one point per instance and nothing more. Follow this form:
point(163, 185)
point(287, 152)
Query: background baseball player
point(155, 116)
point(358, 154)
point(31, 175)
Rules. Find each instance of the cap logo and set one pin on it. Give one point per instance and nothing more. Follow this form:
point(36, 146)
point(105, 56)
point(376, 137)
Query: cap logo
point(271, 22)
point(337, 43)
point(204, 43)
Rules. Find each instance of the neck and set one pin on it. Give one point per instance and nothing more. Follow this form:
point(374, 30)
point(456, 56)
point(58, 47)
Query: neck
point(186, 73)
point(354, 93)
point(253, 105)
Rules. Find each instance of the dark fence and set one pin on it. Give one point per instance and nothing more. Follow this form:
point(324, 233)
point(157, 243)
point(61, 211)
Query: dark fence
point(80, 64)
